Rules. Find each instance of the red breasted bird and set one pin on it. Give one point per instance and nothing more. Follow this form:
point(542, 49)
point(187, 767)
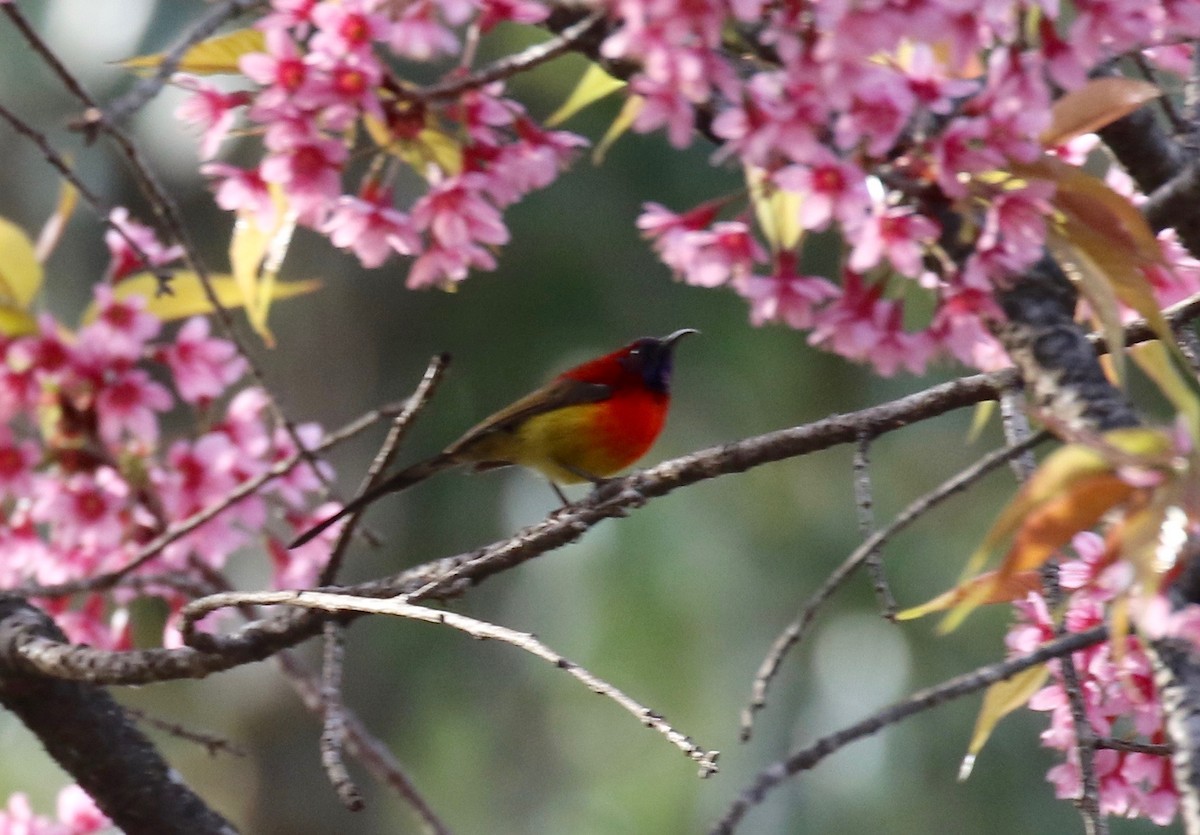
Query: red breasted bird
point(586, 424)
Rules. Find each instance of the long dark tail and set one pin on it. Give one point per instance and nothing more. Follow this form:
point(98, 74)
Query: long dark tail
point(400, 481)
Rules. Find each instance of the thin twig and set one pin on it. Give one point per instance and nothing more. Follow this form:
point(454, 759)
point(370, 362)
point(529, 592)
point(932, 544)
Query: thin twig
point(790, 636)
point(147, 88)
point(366, 748)
point(400, 607)
point(866, 526)
point(954, 688)
point(1130, 747)
point(387, 451)
point(333, 732)
point(211, 742)
point(520, 62)
point(103, 212)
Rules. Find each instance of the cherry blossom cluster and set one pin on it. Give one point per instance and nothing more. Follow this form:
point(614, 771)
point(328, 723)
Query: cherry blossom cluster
point(340, 126)
point(76, 815)
point(1116, 684)
point(888, 121)
point(91, 471)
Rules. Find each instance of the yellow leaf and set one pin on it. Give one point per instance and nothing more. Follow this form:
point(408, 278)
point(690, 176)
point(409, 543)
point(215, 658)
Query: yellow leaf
point(15, 321)
point(593, 85)
point(1155, 360)
point(188, 297)
point(1107, 230)
point(48, 238)
point(1097, 103)
point(431, 146)
point(979, 419)
point(998, 590)
point(1001, 699)
point(621, 124)
point(218, 54)
point(255, 255)
point(20, 271)
point(1093, 283)
point(778, 211)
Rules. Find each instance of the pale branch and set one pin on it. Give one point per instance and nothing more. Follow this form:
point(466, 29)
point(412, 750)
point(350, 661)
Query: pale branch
point(510, 65)
point(211, 743)
point(333, 718)
point(434, 373)
point(790, 636)
point(804, 759)
point(366, 748)
point(95, 741)
point(482, 630)
point(148, 87)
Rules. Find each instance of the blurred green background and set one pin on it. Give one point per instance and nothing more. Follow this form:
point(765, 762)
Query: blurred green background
point(676, 605)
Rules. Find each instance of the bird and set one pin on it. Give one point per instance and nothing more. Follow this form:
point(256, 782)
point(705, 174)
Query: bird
point(586, 424)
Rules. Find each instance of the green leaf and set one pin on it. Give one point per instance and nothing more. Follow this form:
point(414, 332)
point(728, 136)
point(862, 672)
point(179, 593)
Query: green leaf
point(20, 271)
point(218, 54)
point(593, 85)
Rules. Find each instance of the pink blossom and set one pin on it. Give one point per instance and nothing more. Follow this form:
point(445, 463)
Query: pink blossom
point(78, 812)
point(515, 11)
point(456, 214)
point(370, 229)
point(830, 189)
point(962, 149)
point(347, 28)
point(420, 34)
point(240, 190)
point(532, 162)
point(897, 233)
point(879, 109)
point(125, 408)
point(284, 73)
point(211, 109)
point(17, 460)
point(863, 326)
point(83, 509)
point(202, 367)
point(121, 329)
point(439, 265)
point(310, 171)
point(126, 238)
point(785, 295)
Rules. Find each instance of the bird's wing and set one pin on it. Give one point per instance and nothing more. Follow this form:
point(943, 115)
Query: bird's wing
point(556, 394)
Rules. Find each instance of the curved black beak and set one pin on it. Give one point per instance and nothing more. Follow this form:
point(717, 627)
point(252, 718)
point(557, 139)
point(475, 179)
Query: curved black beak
point(671, 339)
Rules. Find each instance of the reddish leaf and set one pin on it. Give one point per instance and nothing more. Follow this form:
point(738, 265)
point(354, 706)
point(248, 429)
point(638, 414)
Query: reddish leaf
point(1099, 102)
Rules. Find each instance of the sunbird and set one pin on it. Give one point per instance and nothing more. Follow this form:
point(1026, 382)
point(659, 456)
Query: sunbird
point(586, 424)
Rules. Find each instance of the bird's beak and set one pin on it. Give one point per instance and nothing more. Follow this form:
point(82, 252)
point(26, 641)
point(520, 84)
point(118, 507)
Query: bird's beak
point(671, 339)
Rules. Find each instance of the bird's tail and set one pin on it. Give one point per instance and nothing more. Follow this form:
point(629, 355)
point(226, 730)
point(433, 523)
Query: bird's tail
point(399, 481)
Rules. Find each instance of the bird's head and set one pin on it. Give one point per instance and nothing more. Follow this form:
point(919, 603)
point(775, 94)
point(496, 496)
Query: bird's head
point(651, 359)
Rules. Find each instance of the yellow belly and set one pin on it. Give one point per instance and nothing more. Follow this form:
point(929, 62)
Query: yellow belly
point(566, 445)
